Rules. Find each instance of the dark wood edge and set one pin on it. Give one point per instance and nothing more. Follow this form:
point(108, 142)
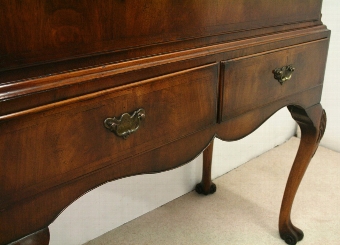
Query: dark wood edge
point(77, 62)
point(102, 93)
point(40, 237)
point(78, 83)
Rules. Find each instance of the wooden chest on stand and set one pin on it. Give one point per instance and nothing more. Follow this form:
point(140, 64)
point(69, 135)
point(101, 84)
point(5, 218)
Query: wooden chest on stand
point(96, 90)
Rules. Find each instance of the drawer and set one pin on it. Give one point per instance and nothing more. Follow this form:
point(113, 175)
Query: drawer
point(62, 137)
point(249, 82)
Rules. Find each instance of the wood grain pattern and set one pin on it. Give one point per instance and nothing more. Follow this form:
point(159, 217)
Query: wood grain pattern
point(235, 128)
point(200, 69)
point(39, 207)
point(74, 133)
point(252, 77)
point(60, 30)
point(20, 95)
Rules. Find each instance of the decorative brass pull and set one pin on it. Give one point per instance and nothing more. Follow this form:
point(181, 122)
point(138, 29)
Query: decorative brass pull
point(126, 125)
point(284, 73)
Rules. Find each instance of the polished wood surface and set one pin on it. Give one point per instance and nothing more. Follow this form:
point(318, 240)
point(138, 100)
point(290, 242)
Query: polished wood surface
point(75, 131)
point(206, 186)
point(67, 29)
point(248, 77)
point(38, 238)
point(198, 69)
point(312, 122)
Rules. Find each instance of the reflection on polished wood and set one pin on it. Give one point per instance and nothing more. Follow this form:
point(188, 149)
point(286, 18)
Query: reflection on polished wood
point(181, 72)
point(312, 122)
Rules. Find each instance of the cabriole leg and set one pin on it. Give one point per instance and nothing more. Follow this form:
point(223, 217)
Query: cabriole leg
point(41, 237)
point(312, 122)
point(206, 186)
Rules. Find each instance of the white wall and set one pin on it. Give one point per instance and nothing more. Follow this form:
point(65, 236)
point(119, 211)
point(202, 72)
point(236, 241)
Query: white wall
point(331, 92)
point(118, 202)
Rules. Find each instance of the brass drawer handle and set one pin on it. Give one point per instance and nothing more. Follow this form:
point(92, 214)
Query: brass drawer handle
point(126, 125)
point(283, 74)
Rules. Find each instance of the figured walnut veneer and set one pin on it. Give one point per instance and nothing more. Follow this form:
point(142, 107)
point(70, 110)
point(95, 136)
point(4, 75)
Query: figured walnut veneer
point(181, 72)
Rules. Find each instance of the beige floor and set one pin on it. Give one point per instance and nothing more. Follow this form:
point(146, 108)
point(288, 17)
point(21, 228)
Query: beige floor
point(245, 208)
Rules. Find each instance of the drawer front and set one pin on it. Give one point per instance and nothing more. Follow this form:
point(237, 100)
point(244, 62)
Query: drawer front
point(249, 82)
point(47, 142)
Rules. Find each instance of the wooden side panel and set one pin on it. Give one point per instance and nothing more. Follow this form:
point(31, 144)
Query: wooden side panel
point(248, 82)
point(40, 147)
